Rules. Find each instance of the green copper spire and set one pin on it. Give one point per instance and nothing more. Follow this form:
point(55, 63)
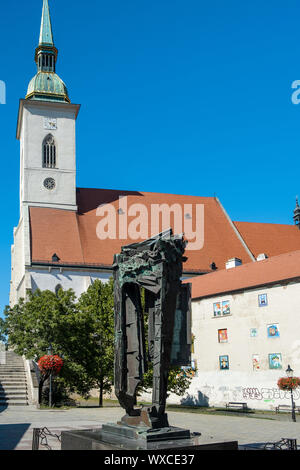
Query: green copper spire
point(46, 84)
point(46, 35)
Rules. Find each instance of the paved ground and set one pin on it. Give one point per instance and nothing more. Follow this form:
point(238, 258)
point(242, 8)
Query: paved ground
point(17, 423)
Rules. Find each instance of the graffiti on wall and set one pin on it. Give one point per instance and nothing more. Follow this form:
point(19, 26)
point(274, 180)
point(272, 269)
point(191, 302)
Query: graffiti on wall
point(268, 394)
point(207, 395)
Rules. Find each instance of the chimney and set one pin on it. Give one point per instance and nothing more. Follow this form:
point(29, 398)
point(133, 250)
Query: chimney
point(261, 256)
point(233, 263)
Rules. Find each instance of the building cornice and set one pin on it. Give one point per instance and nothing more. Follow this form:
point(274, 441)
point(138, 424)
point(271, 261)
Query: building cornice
point(91, 266)
point(295, 279)
point(42, 104)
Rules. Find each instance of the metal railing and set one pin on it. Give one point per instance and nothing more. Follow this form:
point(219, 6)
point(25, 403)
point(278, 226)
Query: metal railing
point(283, 444)
point(40, 437)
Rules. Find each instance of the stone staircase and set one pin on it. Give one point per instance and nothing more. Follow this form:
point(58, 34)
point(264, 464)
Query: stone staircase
point(13, 383)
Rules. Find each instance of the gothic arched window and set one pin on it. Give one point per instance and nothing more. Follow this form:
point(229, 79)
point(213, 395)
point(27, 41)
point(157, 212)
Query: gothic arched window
point(49, 152)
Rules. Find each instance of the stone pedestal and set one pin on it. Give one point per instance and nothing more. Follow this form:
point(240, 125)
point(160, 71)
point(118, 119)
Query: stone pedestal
point(126, 438)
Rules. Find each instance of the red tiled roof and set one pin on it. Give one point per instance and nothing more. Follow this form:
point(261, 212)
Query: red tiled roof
point(54, 231)
point(73, 236)
point(271, 239)
point(272, 270)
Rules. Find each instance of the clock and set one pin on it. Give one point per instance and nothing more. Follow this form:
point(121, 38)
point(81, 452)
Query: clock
point(50, 123)
point(49, 183)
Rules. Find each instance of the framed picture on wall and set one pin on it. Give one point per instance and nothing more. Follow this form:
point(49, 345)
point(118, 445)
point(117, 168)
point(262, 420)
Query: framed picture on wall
point(217, 309)
point(263, 300)
point(221, 308)
point(275, 361)
point(225, 307)
point(273, 330)
point(255, 362)
point(224, 362)
point(223, 336)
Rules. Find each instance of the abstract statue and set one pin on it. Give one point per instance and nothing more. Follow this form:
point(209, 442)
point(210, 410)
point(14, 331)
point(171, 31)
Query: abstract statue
point(156, 266)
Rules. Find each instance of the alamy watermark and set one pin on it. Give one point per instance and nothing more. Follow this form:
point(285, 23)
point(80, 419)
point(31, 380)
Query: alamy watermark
point(140, 222)
point(2, 92)
point(296, 94)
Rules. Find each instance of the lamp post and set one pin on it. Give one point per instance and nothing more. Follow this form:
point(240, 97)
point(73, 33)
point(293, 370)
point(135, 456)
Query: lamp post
point(50, 380)
point(289, 373)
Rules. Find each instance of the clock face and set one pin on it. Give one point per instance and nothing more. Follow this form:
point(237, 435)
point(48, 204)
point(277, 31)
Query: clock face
point(50, 123)
point(49, 183)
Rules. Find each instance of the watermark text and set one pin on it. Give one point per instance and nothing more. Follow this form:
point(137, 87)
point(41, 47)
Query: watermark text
point(140, 222)
point(2, 92)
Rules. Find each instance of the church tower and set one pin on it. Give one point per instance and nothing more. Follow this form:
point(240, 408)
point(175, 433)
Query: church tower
point(46, 131)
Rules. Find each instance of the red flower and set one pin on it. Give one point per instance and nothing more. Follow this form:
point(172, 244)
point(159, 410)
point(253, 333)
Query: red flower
point(288, 383)
point(50, 363)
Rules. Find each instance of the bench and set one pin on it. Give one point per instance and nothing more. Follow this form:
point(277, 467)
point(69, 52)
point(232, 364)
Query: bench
point(286, 408)
point(235, 405)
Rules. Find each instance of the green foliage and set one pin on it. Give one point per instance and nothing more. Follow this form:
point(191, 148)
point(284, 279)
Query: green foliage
point(80, 331)
point(2, 331)
point(72, 328)
point(41, 321)
point(96, 317)
point(178, 383)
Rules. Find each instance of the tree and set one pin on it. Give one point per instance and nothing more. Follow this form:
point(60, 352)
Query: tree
point(79, 331)
point(178, 382)
point(33, 325)
point(2, 331)
point(96, 313)
point(47, 320)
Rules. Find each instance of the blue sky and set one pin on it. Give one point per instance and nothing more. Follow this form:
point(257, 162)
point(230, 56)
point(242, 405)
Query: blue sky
point(178, 96)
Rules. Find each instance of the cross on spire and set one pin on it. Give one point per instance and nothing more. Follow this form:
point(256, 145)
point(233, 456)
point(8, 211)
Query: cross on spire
point(46, 85)
point(46, 35)
point(46, 53)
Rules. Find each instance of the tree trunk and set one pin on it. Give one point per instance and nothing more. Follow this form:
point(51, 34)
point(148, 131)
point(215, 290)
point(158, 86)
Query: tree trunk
point(42, 380)
point(101, 393)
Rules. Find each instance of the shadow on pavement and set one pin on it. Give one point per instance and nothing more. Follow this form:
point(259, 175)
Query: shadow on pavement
point(253, 446)
point(2, 408)
point(11, 434)
point(283, 444)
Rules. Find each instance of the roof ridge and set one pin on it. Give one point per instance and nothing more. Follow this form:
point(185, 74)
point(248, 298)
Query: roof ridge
point(263, 261)
point(263, 223)
point(283, 267)
point(145, 192)
point(236, 230)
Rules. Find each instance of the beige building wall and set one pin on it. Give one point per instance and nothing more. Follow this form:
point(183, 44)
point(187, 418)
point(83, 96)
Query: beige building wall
point(243, 382)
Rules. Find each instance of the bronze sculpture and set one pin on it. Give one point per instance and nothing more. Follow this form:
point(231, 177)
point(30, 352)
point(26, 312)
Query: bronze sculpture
point(156, 266)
